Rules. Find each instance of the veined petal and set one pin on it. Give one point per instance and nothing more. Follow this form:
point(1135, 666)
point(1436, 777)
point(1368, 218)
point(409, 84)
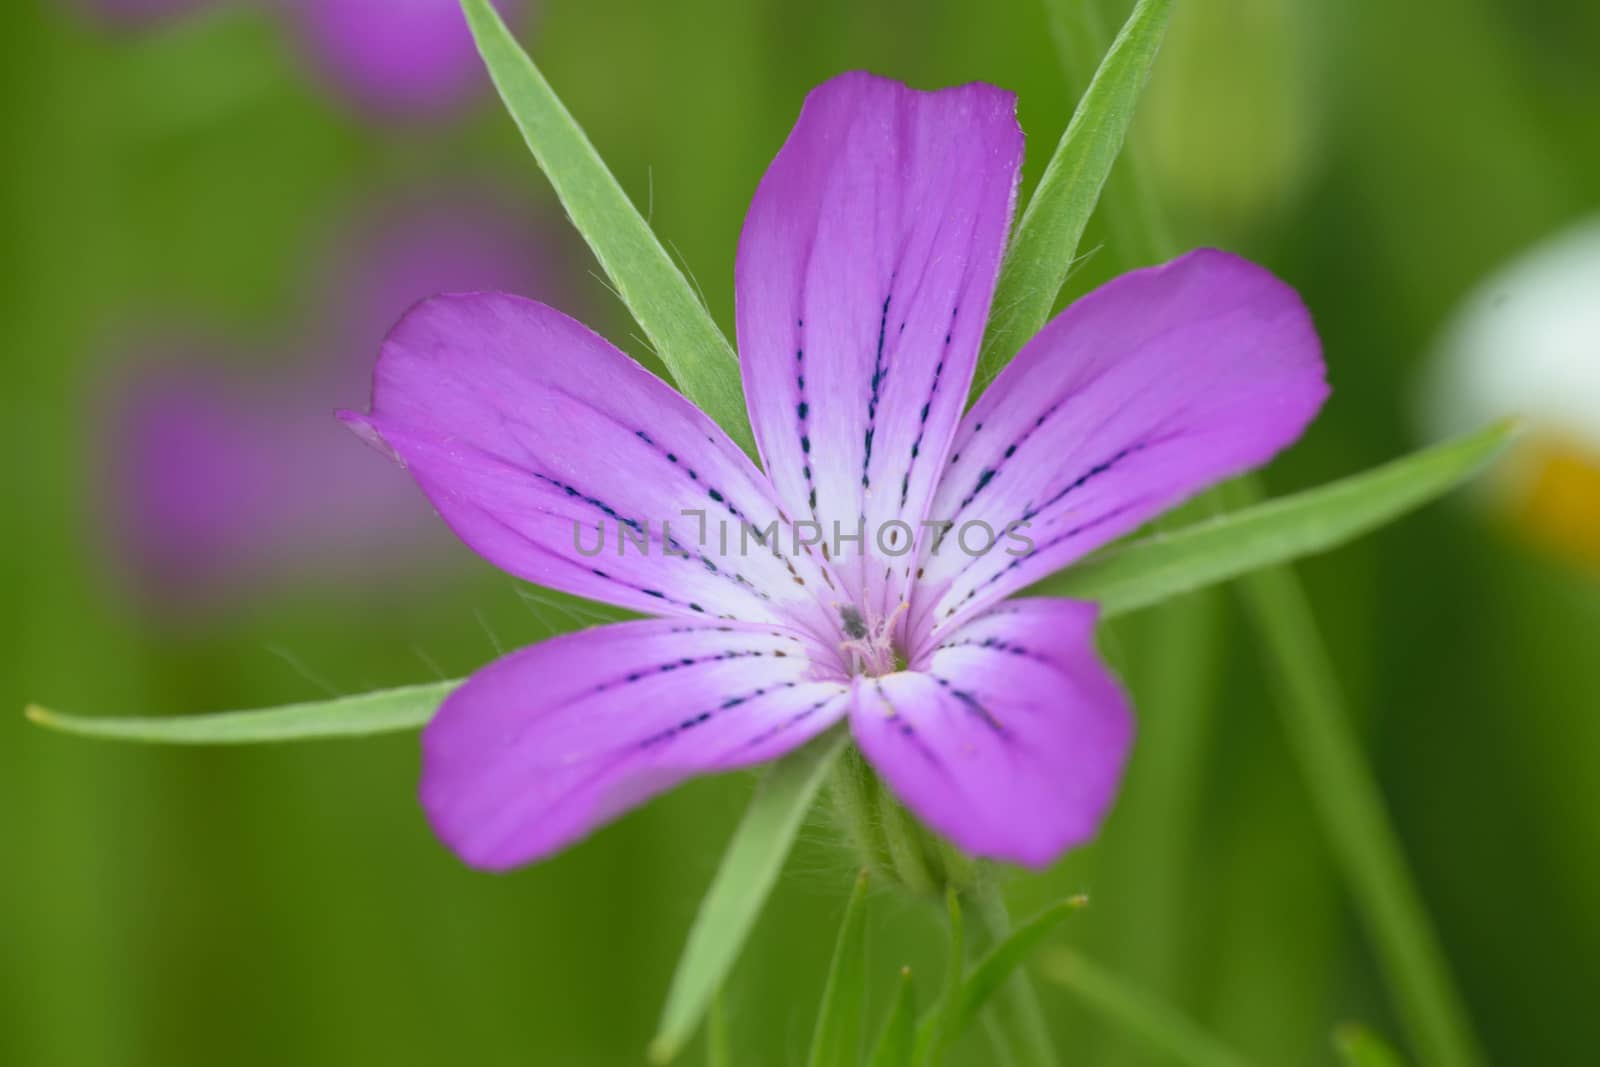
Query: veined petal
point(541, 747)
point(1008, 737)
point(1147, 390)
point(865, 271)
point(550, 452)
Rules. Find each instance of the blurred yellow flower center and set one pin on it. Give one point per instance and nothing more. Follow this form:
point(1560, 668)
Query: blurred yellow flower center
point(1556, 497)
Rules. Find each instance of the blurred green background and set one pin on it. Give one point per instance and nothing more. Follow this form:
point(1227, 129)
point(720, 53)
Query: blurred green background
point(288, 905)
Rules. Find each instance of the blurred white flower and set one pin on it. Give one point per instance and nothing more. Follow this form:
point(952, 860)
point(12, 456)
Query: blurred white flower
point(1526, 342)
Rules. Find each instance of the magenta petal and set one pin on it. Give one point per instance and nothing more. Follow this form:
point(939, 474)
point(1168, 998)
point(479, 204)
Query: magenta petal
point(1152, 387)
point(864, 276)
point(542, 747)
point(1009, 738)
point(540, 443)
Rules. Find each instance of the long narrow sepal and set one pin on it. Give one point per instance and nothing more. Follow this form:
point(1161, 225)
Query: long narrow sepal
point(739, 890)
point(384, 711)
point(1046, 239)
point(694, 350)
point(958, 1010)
point(837, 1038)
point(897, 1043)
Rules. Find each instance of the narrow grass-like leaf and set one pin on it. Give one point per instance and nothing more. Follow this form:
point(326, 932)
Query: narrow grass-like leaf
point(836, 1042)
point(1350, 807)
point(1135, 219)
point(956, 957)
point(679, 327)
point(719, 1042)
point(897, 1041)
point(1046, 239)
point(1359, 1046)
point(1164, 565)
point(1162, 1030)
point(930, 1034)
point(998, 965)
point(384, 711)
point(957, 1011)
point(749, 869)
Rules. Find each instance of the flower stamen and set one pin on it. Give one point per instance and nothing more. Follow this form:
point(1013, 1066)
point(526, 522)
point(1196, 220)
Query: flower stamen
point(870, 649)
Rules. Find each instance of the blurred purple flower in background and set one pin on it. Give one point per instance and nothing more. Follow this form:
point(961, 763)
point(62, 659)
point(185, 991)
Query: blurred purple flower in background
point(392, 58)
point(224, 473)
point(395, 57)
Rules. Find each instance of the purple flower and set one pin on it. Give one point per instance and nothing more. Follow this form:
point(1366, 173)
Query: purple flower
point(864, 277)
point(221, 478)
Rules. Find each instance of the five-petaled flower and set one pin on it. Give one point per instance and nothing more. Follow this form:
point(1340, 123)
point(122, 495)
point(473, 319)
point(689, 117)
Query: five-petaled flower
point(864, 277)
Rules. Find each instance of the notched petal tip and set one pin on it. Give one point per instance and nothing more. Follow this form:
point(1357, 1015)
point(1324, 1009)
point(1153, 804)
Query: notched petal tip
point(857, 80)
point(978, 98)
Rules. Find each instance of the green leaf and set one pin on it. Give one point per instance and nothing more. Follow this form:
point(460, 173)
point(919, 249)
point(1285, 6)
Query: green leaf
point(956, 959)
point(719, 1042)
point(1164, 565)
point(1159, 1028)
point(749, 869)
point(837, 1039)
point(998, 964)
point(1359, 1046)
point(1041, 251)
point(1349, 805)
point(1135, 220)
point(930, 1035)
point(405, 708)
point(650, 283)
point(956, 1013)
point(897, 1042)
